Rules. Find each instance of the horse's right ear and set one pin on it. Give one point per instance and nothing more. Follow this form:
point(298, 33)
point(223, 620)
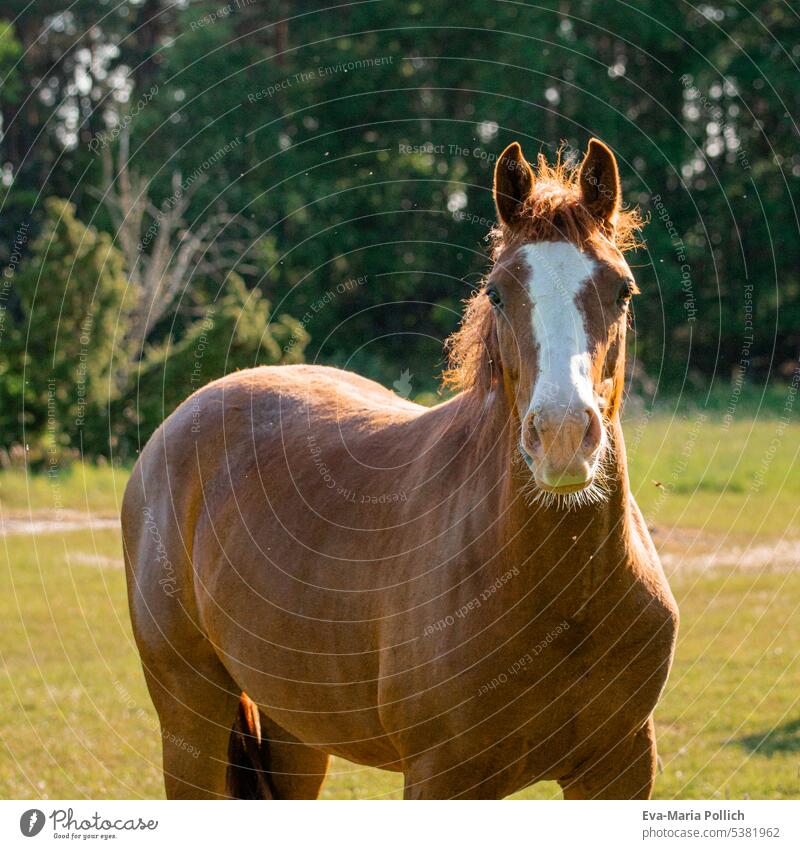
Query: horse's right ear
point(513, 182)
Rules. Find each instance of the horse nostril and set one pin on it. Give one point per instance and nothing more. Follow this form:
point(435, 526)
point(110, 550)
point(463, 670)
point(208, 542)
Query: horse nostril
point(532, 439)
point(594, 431)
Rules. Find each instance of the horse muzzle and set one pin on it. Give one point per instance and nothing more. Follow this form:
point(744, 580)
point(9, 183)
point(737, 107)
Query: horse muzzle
point(562, 447)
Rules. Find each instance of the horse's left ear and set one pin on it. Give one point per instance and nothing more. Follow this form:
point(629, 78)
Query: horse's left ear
point(599, 182)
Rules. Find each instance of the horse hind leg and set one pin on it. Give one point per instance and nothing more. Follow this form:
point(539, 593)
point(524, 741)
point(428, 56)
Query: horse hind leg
point(195, 700)
point(215, 749)
point(215, 742)
point(193, 693)
point(266, 762)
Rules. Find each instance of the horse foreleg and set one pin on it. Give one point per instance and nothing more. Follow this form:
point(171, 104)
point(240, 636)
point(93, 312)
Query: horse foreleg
point(627, 771)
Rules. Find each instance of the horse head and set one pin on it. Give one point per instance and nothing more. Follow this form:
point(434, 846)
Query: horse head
point(559, 295)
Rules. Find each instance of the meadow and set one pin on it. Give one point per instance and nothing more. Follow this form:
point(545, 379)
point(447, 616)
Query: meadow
point(721, 498)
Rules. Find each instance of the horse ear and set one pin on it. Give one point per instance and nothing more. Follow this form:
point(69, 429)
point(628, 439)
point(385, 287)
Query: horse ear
point(513, 181)
point(599, 182)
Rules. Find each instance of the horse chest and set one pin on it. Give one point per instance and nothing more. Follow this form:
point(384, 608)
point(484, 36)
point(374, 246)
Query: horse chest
point(596, 680)
point(621, 652)
point(600, 664)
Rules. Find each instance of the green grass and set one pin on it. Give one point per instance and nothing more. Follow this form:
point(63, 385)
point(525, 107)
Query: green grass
point(701, 473)
point(77, 486)
point(729, 721)
point(71, 684)
point(76, 721)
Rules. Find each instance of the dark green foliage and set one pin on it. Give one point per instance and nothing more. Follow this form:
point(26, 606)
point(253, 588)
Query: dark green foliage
point(58, 356)
point(59, 386)
point(236, 331)
point(363, 143)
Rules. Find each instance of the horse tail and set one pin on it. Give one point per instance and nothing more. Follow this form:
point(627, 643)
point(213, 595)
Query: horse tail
point(248, 774)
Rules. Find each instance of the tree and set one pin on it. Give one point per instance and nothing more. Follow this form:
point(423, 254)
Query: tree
point(236, 331)
point(59, 357)
point(163, 258)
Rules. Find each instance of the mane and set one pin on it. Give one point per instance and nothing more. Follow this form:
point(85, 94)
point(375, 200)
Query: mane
point(554, 211)
point(472, 351)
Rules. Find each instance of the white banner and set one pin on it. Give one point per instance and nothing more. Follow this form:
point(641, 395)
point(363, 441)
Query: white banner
point(398, 825)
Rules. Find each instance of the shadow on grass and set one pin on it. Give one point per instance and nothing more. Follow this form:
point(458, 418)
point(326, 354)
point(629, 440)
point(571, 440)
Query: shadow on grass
point(784, 738)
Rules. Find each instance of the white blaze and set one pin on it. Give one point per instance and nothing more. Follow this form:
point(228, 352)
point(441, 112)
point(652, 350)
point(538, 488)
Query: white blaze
point(557, 273)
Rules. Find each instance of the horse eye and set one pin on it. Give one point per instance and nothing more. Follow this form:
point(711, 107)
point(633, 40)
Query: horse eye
point(494, 296)
point(626, 293)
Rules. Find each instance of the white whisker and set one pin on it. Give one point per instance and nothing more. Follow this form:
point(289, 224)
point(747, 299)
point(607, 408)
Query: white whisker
point(597, 492)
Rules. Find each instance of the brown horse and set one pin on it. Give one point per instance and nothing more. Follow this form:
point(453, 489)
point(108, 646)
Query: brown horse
point(467, 594)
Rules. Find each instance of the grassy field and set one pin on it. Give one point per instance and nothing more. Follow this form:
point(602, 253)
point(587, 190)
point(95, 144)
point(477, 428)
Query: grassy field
point(76, 721)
